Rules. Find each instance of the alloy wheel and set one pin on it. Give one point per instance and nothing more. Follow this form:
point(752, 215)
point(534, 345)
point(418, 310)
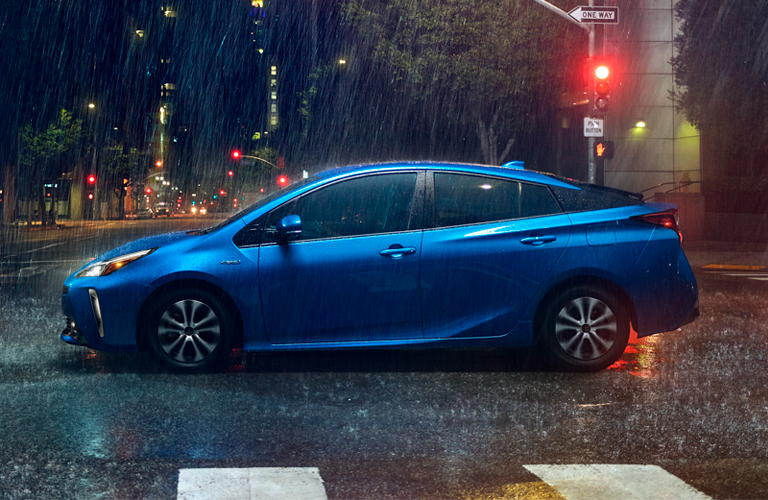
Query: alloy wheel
point(189, 331)
point(586, 328)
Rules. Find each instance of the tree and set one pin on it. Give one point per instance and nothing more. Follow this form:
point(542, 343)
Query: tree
point(494, 66)
point(722, 73)
point(42, 158)
point(123, 165)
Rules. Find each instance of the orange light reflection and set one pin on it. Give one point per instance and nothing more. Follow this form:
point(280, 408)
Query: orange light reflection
point(640, 358)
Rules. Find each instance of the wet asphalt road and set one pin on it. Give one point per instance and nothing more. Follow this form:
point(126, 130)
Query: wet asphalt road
point(425, 425)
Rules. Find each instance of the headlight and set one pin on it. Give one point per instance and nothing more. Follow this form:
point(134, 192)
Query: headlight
point(106, 267)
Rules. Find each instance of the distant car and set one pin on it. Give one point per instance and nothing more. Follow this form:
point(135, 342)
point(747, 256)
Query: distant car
point(162, 210)
point(398, 255)
point(145, 213)
point(198, 211)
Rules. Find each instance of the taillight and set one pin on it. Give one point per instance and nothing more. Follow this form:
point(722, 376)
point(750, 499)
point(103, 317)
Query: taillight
point(667, 218)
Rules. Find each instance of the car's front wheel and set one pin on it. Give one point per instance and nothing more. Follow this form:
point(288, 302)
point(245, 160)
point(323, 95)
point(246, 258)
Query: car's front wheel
point(190, 331)
point(584, 329)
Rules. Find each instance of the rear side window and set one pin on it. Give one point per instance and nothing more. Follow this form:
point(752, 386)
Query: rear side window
point(469, 199)
point(591, 197)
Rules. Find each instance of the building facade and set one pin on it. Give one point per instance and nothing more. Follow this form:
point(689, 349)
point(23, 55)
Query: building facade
point(654, 144)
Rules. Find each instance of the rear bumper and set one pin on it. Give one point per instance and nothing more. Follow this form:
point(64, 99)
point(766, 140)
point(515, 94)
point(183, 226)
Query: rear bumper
point(694, 314)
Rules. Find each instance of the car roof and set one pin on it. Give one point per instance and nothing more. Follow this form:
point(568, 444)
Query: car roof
point(509, 172)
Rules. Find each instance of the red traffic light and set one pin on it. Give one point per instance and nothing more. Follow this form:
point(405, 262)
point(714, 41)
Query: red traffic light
point(282, 180)
point(222, 192)
point(90, 196)
point(230, 173)
point(236, 154)
point(149, 190)
point(91, 179)
point(602, 88)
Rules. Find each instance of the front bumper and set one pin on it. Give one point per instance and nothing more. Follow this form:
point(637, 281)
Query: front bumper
point(72, 335)
point(101, 312)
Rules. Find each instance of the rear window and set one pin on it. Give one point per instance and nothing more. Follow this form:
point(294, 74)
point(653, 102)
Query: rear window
point(592, 197)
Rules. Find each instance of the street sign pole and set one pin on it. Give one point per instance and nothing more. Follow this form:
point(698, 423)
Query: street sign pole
point(589, 25)
point(591, 164)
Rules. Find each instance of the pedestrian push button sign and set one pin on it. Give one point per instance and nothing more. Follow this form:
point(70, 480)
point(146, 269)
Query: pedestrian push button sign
point(593, 127)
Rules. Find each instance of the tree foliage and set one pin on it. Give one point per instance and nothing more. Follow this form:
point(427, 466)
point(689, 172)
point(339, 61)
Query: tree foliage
point(495, 66)
point(42, 155)
point(722, 71)
point(39, 149)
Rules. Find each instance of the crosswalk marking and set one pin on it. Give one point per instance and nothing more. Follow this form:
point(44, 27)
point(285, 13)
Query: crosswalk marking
point(258, 483)
point(559, 482)
point(609, 482)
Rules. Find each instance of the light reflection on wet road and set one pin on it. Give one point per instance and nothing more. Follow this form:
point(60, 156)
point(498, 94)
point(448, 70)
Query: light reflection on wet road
point(641, 357)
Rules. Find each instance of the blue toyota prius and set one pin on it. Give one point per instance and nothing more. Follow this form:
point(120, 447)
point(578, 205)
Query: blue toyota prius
point(398, 255)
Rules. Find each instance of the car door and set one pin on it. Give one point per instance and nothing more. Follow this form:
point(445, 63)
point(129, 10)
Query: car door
point(491, 244)
point(352, 275)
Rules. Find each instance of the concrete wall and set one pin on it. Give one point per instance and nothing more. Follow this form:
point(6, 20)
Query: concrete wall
point(667, 150)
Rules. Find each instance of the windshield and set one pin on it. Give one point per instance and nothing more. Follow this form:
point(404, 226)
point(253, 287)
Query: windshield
point(255, 206)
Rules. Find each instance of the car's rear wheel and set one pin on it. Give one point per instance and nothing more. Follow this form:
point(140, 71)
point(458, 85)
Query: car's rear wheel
point(584, 329)
point(190, 331)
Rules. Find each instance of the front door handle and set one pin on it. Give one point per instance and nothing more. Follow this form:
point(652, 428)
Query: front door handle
point(397, 251)
point(537, 240)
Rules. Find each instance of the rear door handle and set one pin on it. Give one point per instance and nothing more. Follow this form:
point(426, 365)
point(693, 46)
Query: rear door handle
point(397, 253)
point(537, 240)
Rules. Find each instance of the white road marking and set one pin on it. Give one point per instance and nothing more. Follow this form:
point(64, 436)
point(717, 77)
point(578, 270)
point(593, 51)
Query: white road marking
point(610, 482)
point(747, 275)
point(258, 483)
point(47, 247)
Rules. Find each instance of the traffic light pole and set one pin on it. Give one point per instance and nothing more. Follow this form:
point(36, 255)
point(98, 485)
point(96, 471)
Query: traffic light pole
point(591, 163)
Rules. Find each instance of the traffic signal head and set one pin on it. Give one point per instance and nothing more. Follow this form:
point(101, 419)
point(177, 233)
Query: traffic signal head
point(236, 154)
point(602, 88)
point(91, 179)
point(231, 173)
point(604, 150)
point(149, 190)
point(282, 180)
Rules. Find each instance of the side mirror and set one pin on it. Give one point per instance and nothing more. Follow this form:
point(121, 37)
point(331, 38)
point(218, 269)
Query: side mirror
point(289, 227)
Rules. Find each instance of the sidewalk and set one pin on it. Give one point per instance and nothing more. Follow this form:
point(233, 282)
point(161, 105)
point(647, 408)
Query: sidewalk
point(726, 255)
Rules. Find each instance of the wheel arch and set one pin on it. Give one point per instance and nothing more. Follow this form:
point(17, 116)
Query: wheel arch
point(576, 281)
point(183, 284)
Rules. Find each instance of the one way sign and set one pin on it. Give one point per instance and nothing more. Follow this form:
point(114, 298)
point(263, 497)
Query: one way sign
point(595, 15)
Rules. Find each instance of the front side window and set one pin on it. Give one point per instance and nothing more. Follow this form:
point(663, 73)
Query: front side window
point(361, 206)
point(469, 199)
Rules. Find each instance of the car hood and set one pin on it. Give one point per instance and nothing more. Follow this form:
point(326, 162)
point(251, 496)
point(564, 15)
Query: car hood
point(159, 240)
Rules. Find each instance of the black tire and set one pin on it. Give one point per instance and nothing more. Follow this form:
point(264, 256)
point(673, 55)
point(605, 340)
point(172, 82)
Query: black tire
point(190, 331)
point(584, 329)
